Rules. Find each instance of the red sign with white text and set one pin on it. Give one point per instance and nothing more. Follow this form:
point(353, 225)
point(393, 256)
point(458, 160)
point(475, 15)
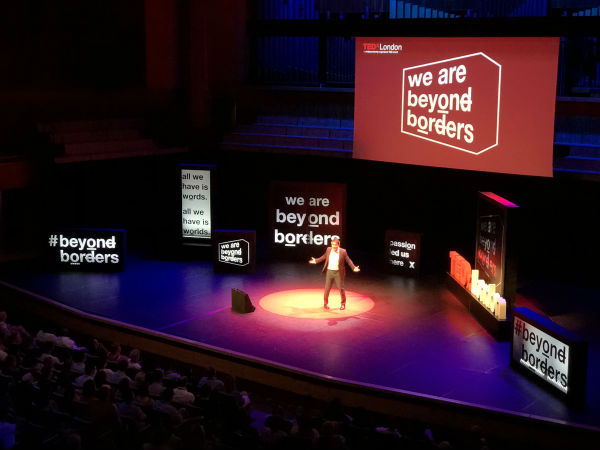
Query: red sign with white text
point(466, 103)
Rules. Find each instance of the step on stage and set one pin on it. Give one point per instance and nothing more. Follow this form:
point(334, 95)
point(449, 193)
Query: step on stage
point(399, 333)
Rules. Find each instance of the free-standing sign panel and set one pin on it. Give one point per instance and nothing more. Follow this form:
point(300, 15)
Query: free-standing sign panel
point(234, 251)
point(550, 353)
point(196, 202)
point(86, 249)
point(492, 253)
point(403, 251)
point(304, 217)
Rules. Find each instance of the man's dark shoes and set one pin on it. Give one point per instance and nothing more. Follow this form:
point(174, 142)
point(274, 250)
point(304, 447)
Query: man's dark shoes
point(343, 307)
point(326, 306)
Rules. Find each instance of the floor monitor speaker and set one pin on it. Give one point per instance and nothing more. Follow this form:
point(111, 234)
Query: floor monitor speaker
point(240, 302)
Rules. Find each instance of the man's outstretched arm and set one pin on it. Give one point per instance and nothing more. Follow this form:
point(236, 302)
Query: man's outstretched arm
point(321, 258)
point(351, 264)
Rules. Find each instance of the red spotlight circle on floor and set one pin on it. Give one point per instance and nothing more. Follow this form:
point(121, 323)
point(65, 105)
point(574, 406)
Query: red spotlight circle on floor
point(308, 304)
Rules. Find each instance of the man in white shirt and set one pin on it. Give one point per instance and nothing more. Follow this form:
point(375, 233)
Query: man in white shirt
point(181, 395)
point(334, 268)
point(120, 374)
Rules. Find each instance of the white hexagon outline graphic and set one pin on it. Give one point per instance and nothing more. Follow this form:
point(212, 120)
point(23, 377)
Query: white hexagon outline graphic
point(229, 242)
point(446, 60)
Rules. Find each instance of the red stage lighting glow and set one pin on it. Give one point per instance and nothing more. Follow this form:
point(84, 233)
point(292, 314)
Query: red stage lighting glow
point(308, 304)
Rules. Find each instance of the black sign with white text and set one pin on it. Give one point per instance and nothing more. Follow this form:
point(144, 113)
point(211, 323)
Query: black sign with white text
point(402, 251)
point(86, 249)
point(490, 247)
point(305, 217)
point(234, 251)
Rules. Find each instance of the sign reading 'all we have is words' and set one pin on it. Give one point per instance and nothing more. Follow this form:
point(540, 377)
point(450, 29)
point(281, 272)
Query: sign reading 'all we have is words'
point(196, 217)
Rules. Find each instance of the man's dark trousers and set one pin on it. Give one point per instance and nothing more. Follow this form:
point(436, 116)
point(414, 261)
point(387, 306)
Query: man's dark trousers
point(330, 277)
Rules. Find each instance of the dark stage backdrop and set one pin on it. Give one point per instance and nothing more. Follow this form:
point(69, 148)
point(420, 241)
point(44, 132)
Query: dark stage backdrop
point(557, 233)
point(468, 103)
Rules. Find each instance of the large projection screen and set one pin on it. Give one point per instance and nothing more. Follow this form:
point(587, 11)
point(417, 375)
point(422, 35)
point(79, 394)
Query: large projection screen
point(483, 104)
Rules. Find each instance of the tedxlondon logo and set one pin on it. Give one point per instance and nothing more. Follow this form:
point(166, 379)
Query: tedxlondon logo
point(379, 48)
point(454, 102)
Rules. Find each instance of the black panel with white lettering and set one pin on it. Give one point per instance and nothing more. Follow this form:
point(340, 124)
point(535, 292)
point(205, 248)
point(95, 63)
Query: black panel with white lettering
point(492, 246)
point(86, 249)
point(234, 251)
point(402, 251)
point(305, 217)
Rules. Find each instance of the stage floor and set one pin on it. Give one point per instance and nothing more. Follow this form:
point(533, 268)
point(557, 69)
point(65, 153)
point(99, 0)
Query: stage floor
point(415, 336)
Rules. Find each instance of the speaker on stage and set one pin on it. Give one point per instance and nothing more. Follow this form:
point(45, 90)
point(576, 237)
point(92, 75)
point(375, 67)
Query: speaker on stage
point(240, 302)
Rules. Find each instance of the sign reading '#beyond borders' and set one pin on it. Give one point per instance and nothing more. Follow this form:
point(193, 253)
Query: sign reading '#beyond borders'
point(86, 249)
point(467, 103)
point(550, 353)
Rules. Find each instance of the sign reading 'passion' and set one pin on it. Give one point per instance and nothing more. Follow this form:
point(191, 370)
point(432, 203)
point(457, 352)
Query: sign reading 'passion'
point(403, 251)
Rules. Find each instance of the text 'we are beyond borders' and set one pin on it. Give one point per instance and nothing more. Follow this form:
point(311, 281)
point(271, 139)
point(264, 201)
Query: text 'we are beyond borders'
point(425, 120)
point(453, 102)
